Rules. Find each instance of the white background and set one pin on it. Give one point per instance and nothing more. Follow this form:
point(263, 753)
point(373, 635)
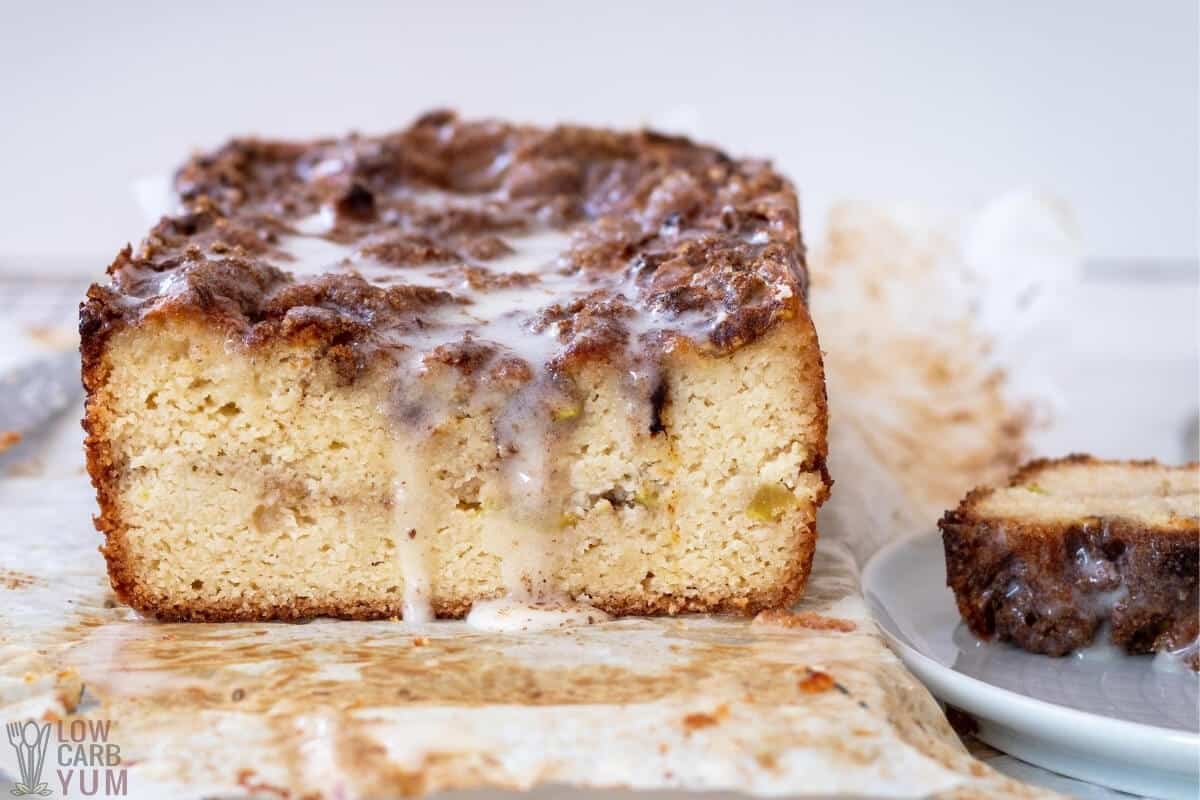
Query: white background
point(946, 103)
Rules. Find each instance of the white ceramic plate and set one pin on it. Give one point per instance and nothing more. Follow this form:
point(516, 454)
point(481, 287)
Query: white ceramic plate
point(1104, 717)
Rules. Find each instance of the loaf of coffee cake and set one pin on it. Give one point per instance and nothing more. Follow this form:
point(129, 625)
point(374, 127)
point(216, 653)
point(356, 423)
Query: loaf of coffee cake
point(394, 375)
point(1075, 545)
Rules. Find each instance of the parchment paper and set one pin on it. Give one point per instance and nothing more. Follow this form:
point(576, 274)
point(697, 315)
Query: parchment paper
point(809, 703)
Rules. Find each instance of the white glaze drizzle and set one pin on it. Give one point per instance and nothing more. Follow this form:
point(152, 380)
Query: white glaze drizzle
point(525, 534)
point(1177, 660)
point(413, 525)
point(508, 615)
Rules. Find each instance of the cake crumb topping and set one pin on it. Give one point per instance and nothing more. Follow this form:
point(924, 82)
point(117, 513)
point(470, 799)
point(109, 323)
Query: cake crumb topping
point(453, 231)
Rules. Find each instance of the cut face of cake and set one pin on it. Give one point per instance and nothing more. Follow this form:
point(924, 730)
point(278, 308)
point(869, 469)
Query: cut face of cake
point(393, 376)
point(1075, 545)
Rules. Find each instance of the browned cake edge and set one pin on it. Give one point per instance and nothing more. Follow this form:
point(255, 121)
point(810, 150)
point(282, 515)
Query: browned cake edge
point(124, 581)
point(1141, 581)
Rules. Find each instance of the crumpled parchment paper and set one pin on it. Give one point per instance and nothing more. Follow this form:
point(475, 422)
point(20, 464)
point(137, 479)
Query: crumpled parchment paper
point(924, 405)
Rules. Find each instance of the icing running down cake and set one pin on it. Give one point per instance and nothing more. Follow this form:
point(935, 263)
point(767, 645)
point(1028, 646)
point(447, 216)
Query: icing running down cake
point(393, 376)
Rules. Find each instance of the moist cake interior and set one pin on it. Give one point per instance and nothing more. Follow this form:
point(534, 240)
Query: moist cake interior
point(399, 375)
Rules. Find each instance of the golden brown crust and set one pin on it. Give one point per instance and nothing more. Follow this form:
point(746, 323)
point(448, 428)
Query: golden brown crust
point(1049, 586)
point(1030, 470)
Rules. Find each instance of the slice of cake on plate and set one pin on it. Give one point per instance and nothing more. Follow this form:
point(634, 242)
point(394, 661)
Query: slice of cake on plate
point(395, 375)
point(1075, 545)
